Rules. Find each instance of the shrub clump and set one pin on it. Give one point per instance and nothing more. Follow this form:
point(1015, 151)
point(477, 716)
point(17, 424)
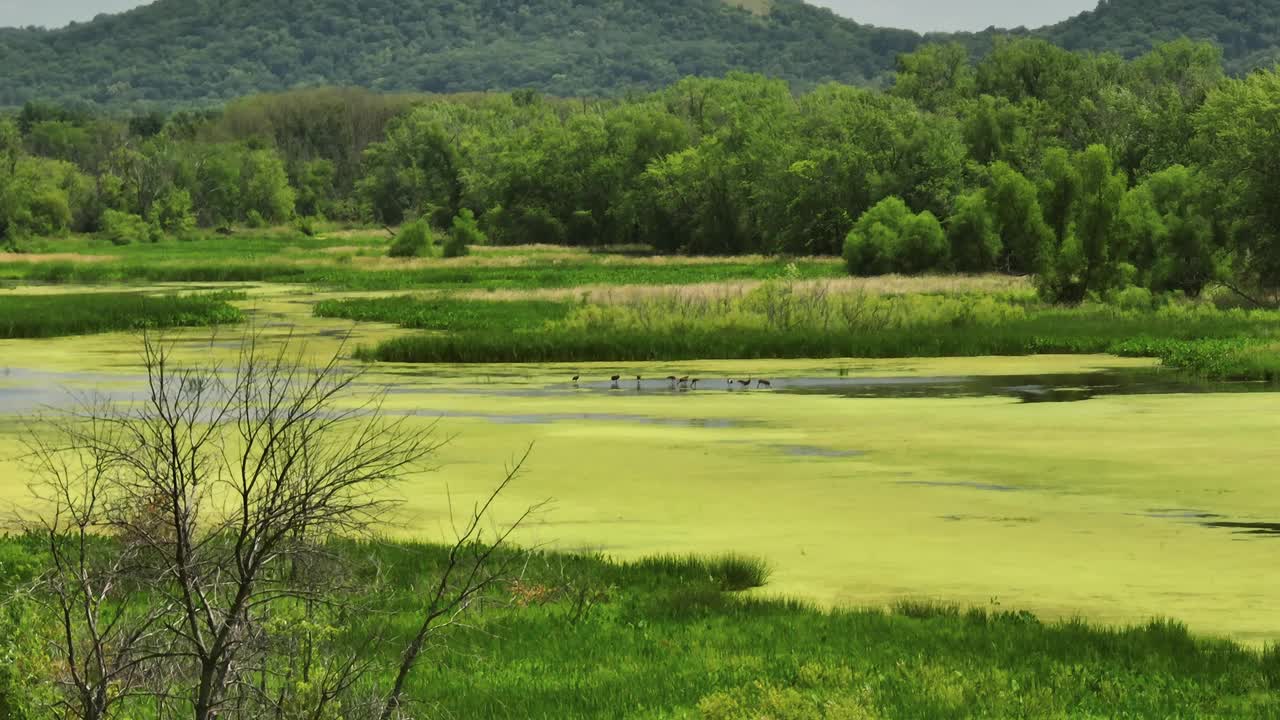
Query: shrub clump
point(415, 240)
point(464, 233)
point(122, 228)
point(889, 238)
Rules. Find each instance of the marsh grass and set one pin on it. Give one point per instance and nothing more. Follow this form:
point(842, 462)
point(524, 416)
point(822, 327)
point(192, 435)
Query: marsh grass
point(1000, 285)
point(580, 636)
point(38, 316)
point(729, 573)
point(816, 320)
point(356, 273)
point(445, 313)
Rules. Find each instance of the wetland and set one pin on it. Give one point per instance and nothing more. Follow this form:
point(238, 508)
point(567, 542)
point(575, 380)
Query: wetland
point(860, 481)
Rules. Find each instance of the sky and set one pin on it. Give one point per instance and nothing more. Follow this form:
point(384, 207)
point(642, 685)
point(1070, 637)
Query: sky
point(922, 15)
point(955, 15)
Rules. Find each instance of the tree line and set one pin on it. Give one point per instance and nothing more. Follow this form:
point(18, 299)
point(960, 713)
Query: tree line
point(1087, 170)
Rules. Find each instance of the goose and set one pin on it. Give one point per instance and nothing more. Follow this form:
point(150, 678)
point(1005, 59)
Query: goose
point(638, 381)
point(761, 384)
point(575, 380)
point(745, 384)
point(684, 382)
point(672, 379)
point(615, 380)
point(694, 383)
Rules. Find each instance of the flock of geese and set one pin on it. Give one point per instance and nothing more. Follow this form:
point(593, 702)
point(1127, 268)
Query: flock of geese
point(686, 383)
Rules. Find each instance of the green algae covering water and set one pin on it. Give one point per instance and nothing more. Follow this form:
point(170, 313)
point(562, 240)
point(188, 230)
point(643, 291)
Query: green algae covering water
point(1120, 507)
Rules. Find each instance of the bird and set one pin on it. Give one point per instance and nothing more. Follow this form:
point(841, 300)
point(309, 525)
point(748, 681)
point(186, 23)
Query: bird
point(638, 381)
point(730, 383)
point(575, 380)
point(615, 380)
point(672, 379)
point(694, 383)
point(764, 384)
point(684, 382)
point(745, 384)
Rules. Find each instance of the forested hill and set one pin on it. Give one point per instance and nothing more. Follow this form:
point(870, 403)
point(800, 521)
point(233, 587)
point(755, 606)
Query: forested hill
point(201, 50)
point(177, 52)
point(1247, 30)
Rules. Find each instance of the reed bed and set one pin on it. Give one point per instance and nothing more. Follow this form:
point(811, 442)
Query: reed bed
point(38, 316)
point(1000, 285)
point(812, 320)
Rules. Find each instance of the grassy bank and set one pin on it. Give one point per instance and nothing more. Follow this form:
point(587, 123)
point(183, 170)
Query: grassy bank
point(772, 321)
point(358, 261)
point(38, 316)
point(386, 276)
point(584, 637)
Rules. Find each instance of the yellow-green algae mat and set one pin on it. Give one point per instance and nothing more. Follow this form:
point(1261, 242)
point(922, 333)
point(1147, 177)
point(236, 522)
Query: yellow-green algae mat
point(1083, 508)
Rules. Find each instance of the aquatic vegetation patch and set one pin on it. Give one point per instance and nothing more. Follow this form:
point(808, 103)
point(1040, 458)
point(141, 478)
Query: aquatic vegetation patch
point(1230, 358)
point(446, 313)
point(781, 320)
point(39, 316)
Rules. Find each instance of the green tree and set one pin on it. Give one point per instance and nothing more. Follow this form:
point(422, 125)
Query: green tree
point(971, 231)
point(266, 188)
point(997, 129)
point(1238, 142)
point(43, 197)
point(463, 233)
point(1171, 231)
point(417, 167)
point(935, 77)
point(315, 187)
point(1059, 188)
point(174, 212)
point(1018, 219)
point(217, 183)
point(889, 238)
point(1089, 258)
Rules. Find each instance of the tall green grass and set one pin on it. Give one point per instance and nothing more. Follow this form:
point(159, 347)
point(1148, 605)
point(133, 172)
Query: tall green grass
point(763, 324)
point(446, 313)
point(534, 275)
point(575, 637)
point(37, 316)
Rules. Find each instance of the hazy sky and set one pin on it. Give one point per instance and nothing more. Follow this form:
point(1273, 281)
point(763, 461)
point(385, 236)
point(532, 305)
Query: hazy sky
point(915, 14)
point(926, 15)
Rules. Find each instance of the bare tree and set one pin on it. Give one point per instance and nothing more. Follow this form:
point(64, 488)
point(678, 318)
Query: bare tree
point(217, 484)
point(187, 527)
point(105, 633)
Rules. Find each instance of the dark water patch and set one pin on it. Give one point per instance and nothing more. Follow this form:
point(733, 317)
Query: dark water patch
point(509, 392)
point(817, 452)
point(989, 487)
point(1048, 388)
point(1177, 514)
point(1246, 528)
point(989, 518)
point(550, 418)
